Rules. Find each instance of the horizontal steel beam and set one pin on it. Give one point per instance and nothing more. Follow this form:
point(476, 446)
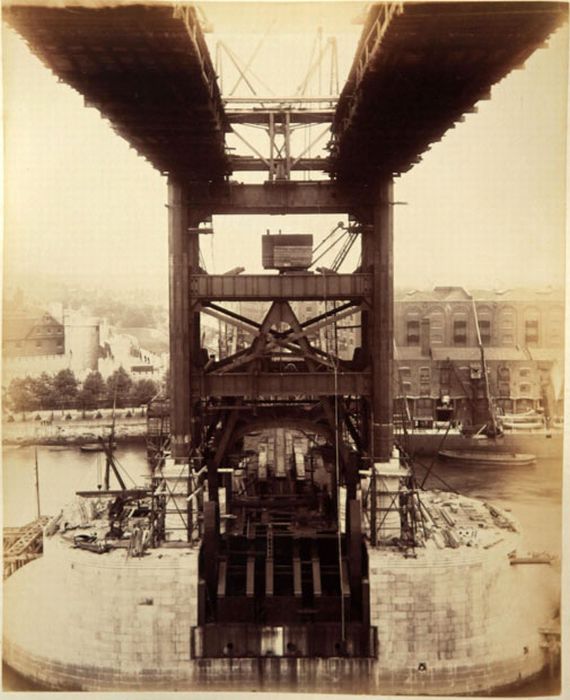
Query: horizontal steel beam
point(296, 116)
point(250, 164)
point(303, 286)
point(318, 197)
point(273, 384)
point(279, 102)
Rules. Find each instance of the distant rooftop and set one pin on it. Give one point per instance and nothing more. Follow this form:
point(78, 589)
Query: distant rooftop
point(458, 293)
point(19, 325)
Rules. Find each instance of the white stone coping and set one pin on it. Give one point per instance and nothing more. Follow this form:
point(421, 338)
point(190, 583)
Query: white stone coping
point(58, 548)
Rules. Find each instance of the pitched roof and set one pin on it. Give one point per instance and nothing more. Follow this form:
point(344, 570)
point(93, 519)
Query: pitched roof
point(20, 326)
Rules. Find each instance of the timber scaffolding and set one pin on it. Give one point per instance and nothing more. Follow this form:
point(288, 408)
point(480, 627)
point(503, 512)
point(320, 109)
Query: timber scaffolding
point(22, 544)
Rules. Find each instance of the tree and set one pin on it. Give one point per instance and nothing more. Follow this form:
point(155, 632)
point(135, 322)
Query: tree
point(65, 387)
point(143, 391)
point(118, 388)
point(93, 392)
point(6, 400)
point(22, 394)
point(44, 390)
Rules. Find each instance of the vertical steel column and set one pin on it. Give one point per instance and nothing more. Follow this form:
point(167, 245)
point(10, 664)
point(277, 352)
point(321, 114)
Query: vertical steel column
point(381, 339)
point(183, 256)
point(271, 146)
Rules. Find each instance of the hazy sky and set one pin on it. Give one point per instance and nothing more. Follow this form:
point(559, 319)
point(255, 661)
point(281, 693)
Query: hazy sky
point(485, 208)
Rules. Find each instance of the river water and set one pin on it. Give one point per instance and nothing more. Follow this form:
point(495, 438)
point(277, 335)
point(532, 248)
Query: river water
point(533, 494)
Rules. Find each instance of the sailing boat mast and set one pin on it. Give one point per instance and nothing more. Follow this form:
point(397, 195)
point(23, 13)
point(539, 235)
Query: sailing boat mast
point(488, 397)
point(109, 459)
point(37, 484)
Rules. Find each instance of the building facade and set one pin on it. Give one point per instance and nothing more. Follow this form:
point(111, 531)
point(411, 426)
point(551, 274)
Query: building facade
point(438, 362)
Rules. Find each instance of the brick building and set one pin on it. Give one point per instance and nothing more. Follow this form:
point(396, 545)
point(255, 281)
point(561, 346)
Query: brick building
point(438, 361)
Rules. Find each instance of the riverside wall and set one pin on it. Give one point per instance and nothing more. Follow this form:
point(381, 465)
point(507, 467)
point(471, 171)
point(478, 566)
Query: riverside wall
point(448, 622)
point(58, 430)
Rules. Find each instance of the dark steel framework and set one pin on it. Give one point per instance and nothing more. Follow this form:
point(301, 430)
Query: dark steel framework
point(253, 375)
point(418, 68)
point(283, 380)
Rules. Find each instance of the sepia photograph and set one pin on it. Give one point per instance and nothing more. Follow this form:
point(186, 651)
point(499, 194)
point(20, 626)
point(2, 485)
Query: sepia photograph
point(283, 347)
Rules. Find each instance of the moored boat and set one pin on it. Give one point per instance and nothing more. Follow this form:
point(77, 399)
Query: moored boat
point(486, 457)
point(523, 425)
point(95, 447)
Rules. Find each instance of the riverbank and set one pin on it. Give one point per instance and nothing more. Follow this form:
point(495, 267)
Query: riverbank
point(71, 428)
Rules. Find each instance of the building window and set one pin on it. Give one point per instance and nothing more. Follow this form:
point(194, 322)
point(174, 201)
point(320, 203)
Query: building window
point(556, 327)
point(504, 389)
point(524, 388)
point(424, 409)
point(436, 328)
point(507, 326)
point(485, 331)
point(459, 332)
point(524, 372)
point(444, 376)
point(503, 374)
point(475, 372)
point(531, 331)
point(413, 333)
point(425, 381)
point(405, 380)
point(38, 343)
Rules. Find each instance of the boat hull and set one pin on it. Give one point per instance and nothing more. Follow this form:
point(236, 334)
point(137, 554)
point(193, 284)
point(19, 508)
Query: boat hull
point(95, 447)
point(486, 457)
point(544, 445)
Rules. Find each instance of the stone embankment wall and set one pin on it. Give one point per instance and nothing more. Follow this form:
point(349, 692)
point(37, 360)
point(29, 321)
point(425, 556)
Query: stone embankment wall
point(77, 430)
point(458, 621)
point(448, 622)
point(80, 620)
